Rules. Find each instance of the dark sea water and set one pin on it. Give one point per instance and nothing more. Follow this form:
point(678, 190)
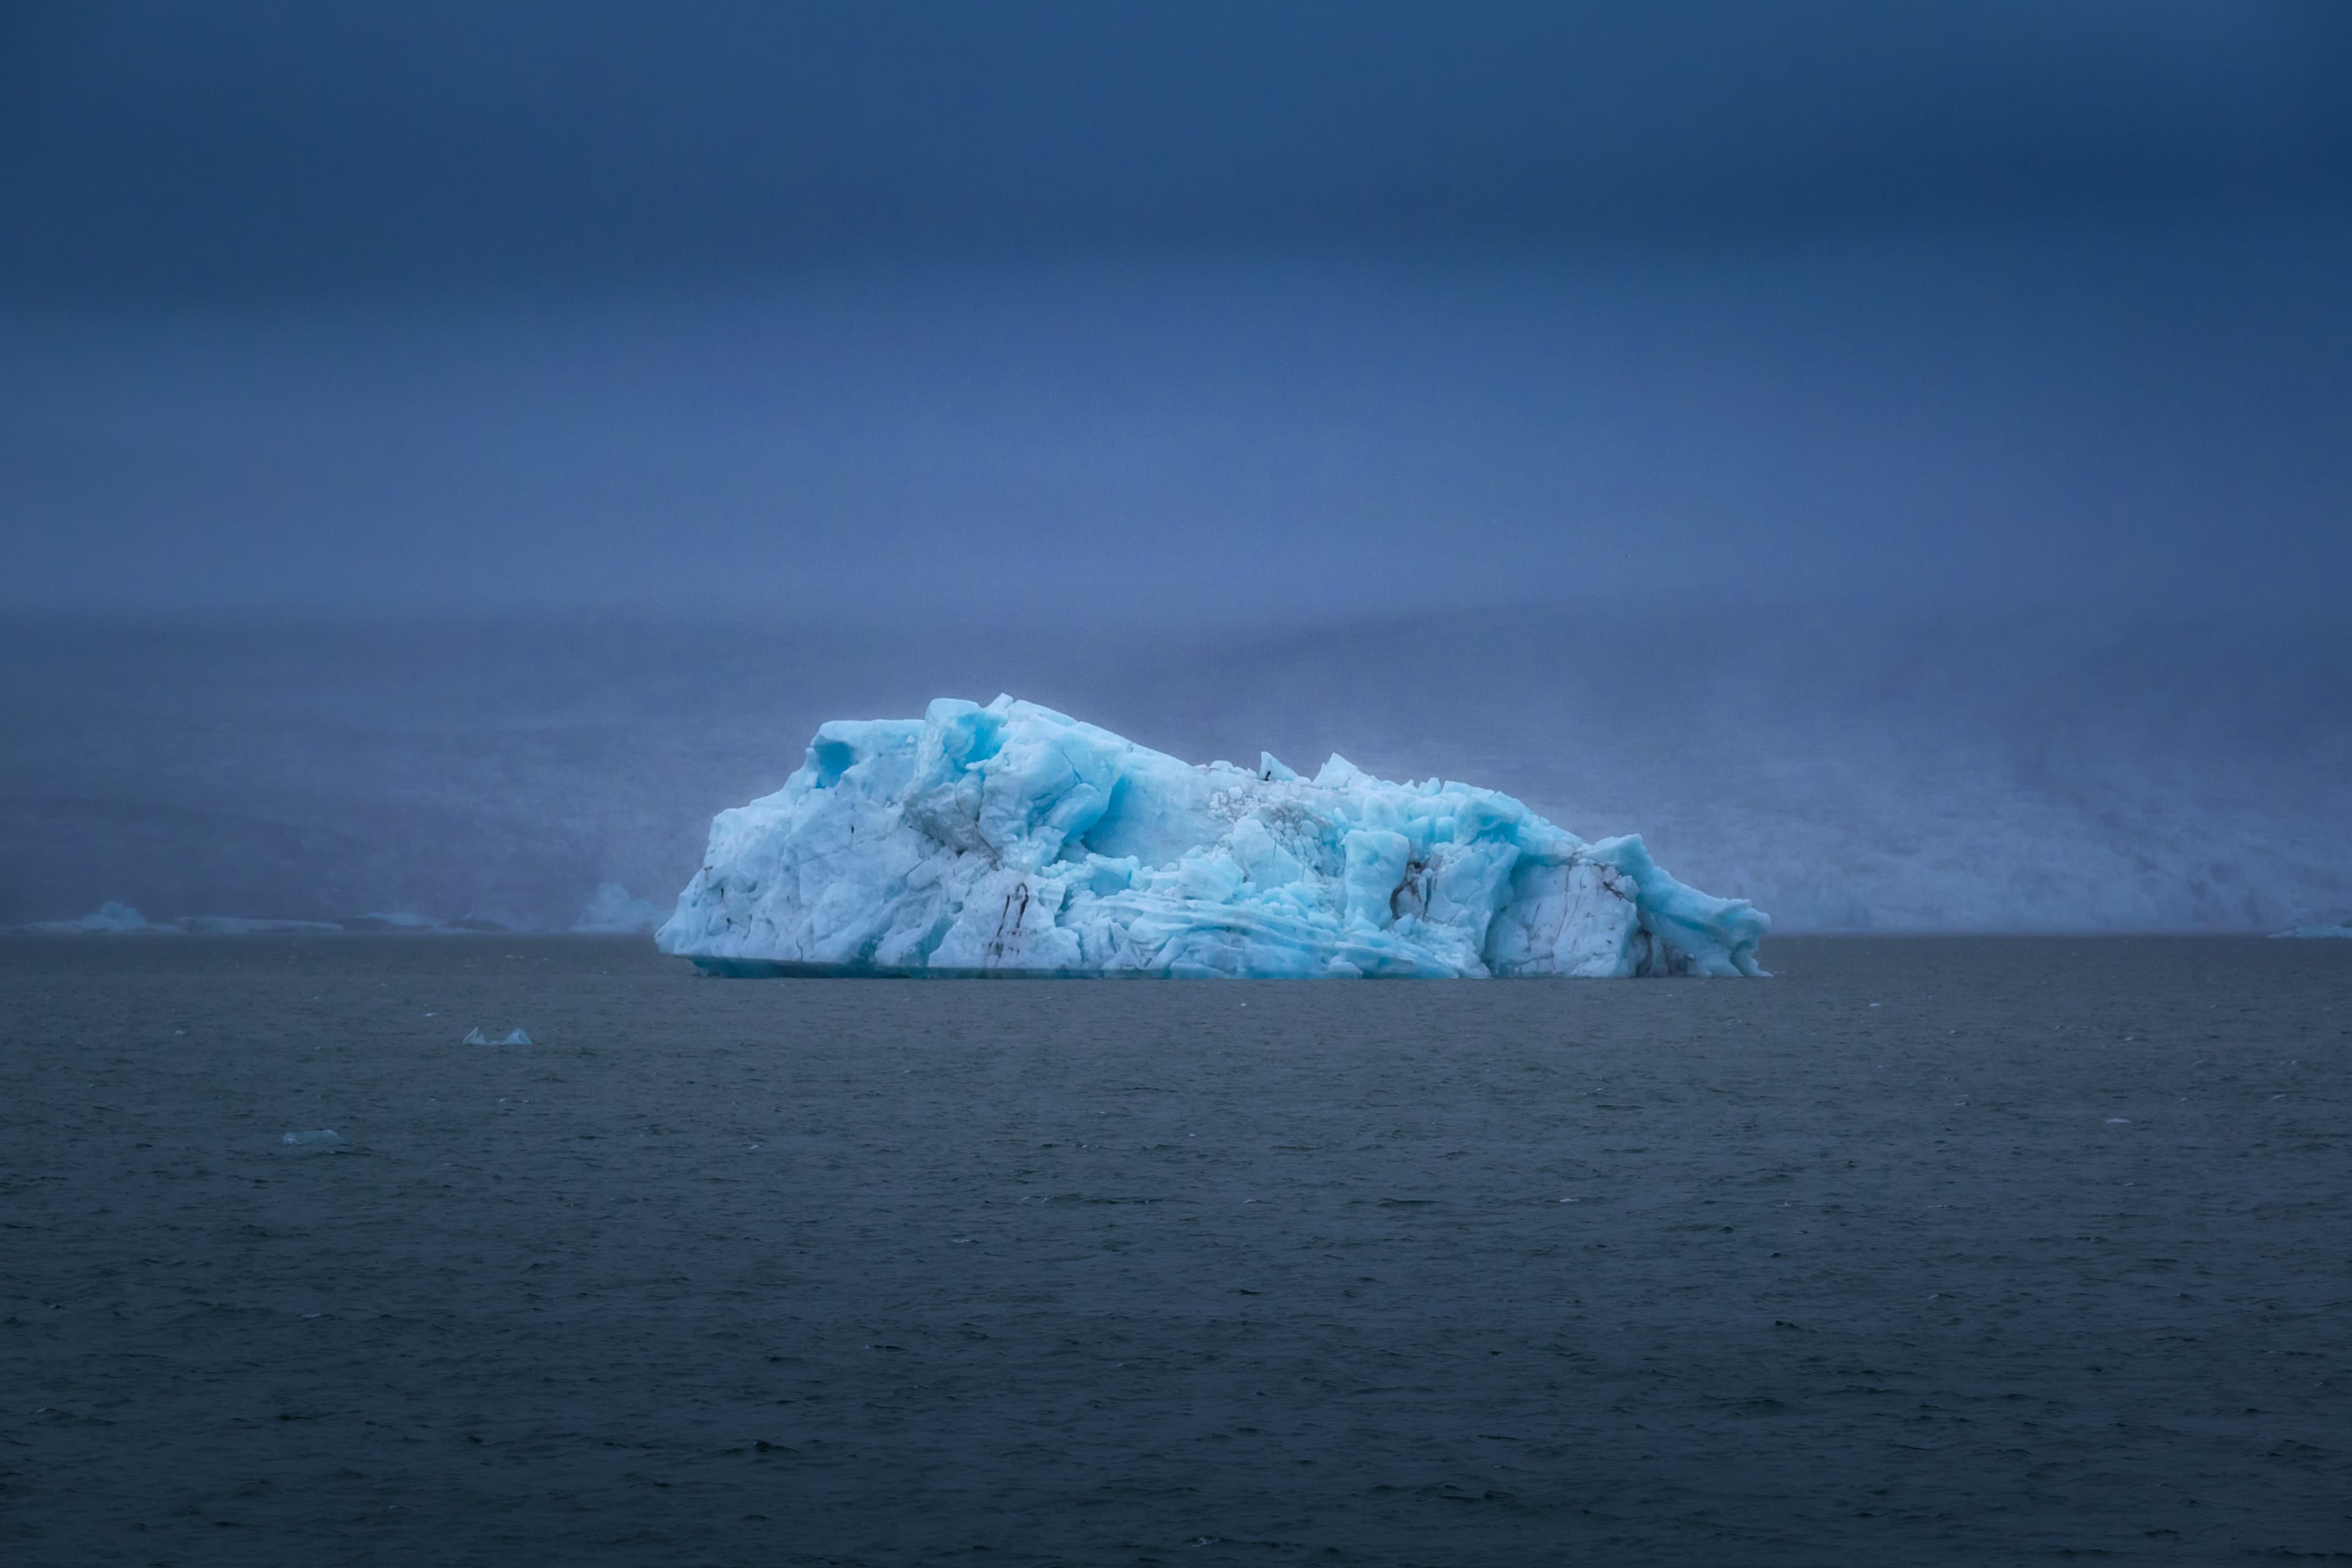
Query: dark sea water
point(1973, 1250)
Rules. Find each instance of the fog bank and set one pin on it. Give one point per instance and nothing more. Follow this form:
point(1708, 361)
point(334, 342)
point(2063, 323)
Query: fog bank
point(1843, 769)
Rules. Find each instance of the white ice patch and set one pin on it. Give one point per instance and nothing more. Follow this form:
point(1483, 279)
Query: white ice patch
point(1012, 838)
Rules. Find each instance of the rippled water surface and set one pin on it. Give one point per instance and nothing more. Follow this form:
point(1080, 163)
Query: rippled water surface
point(1974, 1250)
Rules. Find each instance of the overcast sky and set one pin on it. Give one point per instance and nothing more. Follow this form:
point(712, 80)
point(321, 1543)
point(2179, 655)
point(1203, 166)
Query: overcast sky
point(1177, 310)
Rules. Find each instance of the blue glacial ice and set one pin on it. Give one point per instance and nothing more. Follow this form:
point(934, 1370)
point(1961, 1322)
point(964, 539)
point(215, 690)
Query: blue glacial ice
point(1012, 840)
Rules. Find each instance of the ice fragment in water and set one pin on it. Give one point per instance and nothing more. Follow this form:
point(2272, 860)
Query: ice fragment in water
point(516, 1038)
point(1012, 838)
point(473, 1038)
point(323, 1135)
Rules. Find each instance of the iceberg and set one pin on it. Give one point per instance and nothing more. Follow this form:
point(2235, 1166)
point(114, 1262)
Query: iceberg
point(1011, 839)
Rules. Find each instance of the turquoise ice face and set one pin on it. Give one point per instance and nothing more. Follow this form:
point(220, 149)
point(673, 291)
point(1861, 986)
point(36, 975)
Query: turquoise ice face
point(1011, 839)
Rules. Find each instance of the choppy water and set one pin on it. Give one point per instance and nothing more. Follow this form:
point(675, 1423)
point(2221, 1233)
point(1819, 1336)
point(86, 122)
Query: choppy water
point(1968, 1250)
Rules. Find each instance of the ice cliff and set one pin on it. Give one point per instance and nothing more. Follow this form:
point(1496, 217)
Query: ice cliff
point(1014, 840)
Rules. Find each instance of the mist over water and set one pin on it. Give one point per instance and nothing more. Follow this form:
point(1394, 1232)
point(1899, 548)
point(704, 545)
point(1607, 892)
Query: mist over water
point(1846, 771)
point(1895, 463)
point(1982, 584)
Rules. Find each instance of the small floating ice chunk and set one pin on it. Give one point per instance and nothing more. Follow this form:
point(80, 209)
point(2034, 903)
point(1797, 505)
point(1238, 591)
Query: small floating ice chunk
point(516, 1038)
point(474, 1037)
point(322, 1135)
point(2118, 1120)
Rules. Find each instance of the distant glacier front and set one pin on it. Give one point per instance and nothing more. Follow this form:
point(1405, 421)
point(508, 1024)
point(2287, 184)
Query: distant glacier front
point(1011, 839)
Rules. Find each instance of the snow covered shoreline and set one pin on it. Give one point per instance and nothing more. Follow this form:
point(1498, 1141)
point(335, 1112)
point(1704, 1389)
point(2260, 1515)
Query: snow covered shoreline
point(1011, 839)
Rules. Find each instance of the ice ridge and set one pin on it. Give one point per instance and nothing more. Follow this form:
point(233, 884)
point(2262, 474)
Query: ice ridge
point(1012, 840)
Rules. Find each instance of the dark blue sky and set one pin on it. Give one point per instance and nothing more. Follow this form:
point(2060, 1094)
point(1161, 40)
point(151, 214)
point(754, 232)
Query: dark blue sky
point(280, 149)
point(1178, 310)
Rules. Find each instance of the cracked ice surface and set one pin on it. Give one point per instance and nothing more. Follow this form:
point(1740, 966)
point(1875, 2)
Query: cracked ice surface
point(1012, 838)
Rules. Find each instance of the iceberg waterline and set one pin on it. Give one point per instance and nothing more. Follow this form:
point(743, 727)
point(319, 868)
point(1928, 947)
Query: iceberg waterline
point(1014, 840)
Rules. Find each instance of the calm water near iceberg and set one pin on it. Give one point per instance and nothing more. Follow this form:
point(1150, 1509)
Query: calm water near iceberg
point(1927, 1250)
